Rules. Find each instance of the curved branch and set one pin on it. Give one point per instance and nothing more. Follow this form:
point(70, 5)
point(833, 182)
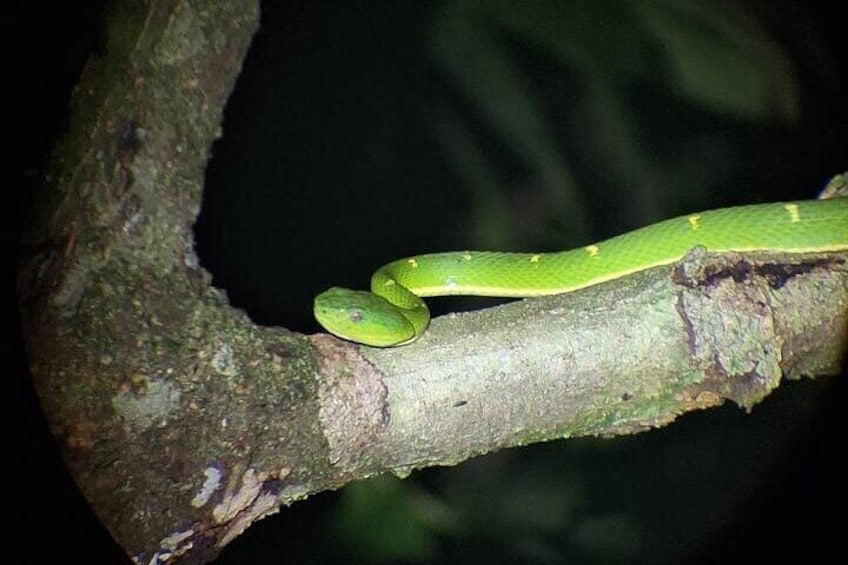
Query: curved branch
point(183, 422)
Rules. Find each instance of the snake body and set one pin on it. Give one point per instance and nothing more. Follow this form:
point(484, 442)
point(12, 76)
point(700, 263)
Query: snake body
point(393, 313)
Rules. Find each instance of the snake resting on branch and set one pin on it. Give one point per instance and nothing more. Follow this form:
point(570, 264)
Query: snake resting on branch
point(393, 313)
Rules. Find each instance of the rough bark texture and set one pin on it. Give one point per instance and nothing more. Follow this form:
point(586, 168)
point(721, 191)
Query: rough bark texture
point(183, 422)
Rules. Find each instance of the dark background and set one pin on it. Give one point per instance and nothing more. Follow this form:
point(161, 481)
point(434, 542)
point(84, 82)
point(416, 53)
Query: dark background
point(327, 126)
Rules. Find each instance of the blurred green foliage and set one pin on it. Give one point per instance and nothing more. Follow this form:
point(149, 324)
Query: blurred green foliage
point(508, 59)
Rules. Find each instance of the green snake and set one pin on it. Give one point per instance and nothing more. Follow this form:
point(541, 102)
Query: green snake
point(393, 313)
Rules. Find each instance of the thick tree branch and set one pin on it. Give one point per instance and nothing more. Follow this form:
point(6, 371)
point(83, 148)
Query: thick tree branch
point(183, 422)
point(614, 359)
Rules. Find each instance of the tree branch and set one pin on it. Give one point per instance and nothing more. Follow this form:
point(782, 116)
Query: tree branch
point(613, 359)
point(183, 422)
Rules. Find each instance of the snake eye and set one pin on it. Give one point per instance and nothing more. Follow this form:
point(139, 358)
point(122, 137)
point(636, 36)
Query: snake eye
point(355, 315)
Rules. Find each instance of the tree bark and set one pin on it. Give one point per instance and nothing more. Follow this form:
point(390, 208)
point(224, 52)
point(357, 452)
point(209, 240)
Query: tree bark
point(183, 422)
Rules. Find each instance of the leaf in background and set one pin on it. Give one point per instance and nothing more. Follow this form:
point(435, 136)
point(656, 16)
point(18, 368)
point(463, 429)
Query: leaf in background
point(596, 38)
point(488, 76)
point(722, 58)
point(492, 217)
point(385, 520)
point(563, 87)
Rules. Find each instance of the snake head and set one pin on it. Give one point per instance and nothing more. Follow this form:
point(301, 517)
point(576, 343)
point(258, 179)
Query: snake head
point(362, 317)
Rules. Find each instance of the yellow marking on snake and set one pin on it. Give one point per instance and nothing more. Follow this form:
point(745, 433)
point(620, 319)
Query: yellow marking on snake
point(794, 212)
point(466, 256)
point(535, 258)
point(592, 250)
point(694, 221)
point(413, 263)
